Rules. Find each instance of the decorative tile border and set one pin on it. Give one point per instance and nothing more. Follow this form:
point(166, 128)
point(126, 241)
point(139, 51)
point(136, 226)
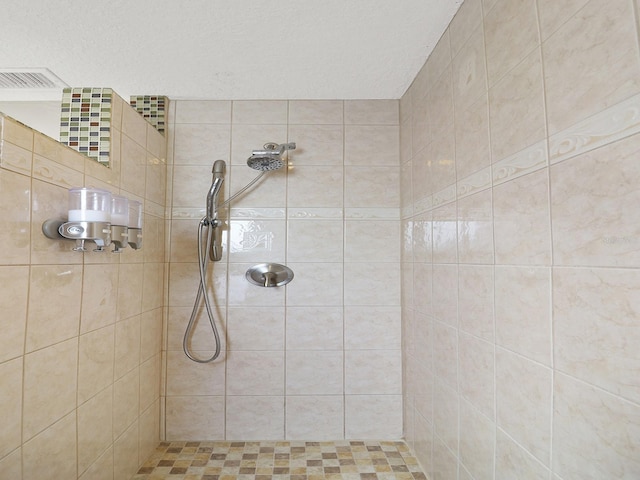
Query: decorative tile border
point(444, 196)
point(474, 183)
point(153, 108)
point(85, 121)
point(526, 161)
point(614, 123)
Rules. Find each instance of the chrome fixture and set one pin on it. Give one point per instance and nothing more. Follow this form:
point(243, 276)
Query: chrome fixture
point(269, 275)
point(270, 158)
point(209, 235)
point(100, 217)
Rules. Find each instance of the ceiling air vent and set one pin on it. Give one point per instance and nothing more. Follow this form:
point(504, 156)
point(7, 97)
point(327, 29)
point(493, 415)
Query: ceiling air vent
point(29, 78)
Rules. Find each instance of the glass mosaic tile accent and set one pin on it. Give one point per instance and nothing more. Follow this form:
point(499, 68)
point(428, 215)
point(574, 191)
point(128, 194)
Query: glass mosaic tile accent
point(346, 460)
point(152, 108)
point(85, 121)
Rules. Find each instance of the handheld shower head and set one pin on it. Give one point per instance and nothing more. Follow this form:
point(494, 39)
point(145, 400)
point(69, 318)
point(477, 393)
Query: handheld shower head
point(270, 158)
point(218, 170)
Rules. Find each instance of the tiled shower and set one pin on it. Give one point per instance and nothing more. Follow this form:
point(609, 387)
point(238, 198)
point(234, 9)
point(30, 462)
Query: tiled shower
point(465, 264)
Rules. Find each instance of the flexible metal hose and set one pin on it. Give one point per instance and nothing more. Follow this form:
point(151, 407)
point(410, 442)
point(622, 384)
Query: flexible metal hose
point(203, 262)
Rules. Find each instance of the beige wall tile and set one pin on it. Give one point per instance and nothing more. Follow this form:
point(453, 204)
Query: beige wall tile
point(311, 186)
point(202, 111)
point(254, 418)
point(100, 296)
point(132, 175)
point(477, 445)
point(11, 465)
point(254, 112)
point(371, 112)
point(363, 372)
point(101, 469)
point(445, 356)
point(316, 145)
point(371, 145)
point(195, 417)
point(464, 23)
point(359, 409)
point(95, 427)
point(590, 195)
point(608, 428)
point(524, 402)
point(53, 289)
point(476, 365)
point(476, 300)
point(150, 372)
point(602, 305)
point(50, 383)
point(52, 453)
point(316, 372)
point(15, 210)
point(469, 69)
point(315, 328)
point(196, 143)
point(446, 414)
point(517, 108)
point(255, 373)
point(303, 292)
point(440, 98)
point(11, 404)
point(13, 304)
point(511, 33)
point(185, 377)
point(371, 284)
point(125, 453)
point(126, 398)
point(522, 228)
point(473, 151)
point(127, 345)
point(256, 328)
point(371, 328)
point(254, 240)
point(512, 461)
point(150, 334)
point(95, 362)
point(576, 84)
point(445, 234)
point(445, 293)
point(523, 303)
point(315, 112)
point(475, 229)
point(52, 172)
point(130, 282)
point(311, 416)
point(553, 15)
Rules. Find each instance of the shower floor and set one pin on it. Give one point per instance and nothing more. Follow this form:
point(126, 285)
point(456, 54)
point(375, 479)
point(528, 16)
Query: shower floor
point(349, 460)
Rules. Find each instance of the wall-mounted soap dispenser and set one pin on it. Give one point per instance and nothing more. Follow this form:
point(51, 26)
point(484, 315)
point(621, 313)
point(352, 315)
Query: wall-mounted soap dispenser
point(100, 217)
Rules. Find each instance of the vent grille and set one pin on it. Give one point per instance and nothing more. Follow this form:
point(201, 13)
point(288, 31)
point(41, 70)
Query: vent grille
point(29, 78)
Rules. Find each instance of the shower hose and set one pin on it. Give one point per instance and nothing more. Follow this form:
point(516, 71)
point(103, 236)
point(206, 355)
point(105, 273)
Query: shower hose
point(210, 224)
point(203, 262)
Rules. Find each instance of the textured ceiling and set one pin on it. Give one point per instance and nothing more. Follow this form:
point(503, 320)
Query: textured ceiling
point(227, 49)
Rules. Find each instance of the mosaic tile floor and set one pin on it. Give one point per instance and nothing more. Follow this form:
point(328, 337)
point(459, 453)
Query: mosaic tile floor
point(348, 460)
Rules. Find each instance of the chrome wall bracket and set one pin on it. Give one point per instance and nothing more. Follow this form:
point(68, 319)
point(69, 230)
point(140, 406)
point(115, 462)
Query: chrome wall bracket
point(98, 232)
point(102, 234)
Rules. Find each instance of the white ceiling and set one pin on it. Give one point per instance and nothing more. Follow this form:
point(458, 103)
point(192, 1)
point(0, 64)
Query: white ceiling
point(227, 49)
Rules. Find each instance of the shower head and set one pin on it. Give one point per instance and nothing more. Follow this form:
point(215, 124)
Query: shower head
point(270, 158)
